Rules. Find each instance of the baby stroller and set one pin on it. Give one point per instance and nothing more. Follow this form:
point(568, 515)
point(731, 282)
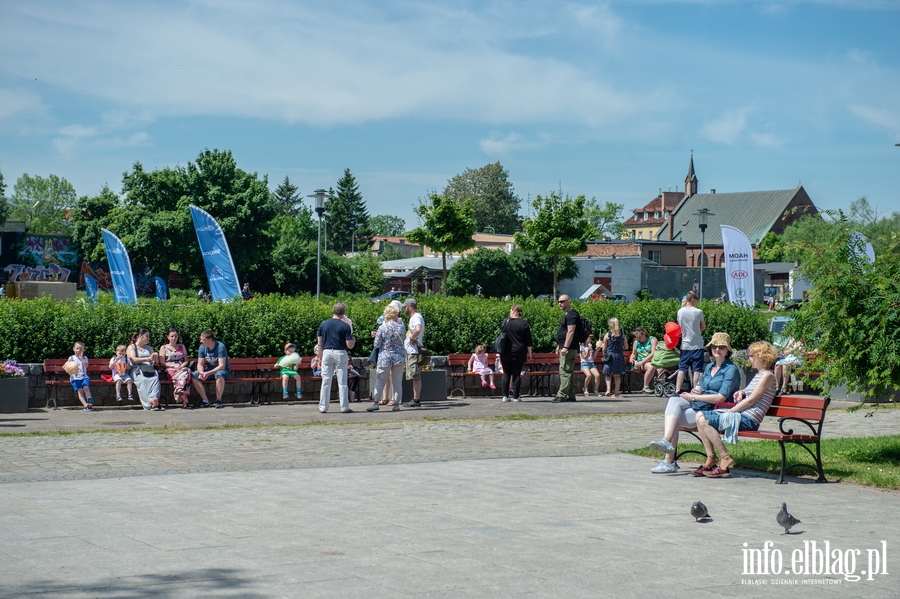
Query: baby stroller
point(665, 361)
point(664, 382)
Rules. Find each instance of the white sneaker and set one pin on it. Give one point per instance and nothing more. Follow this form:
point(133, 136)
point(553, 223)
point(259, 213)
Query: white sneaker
point(518, 399)
point(505, 399)
point(662, 445)
point(586, 392)
point(665, 468)
point(647, 390)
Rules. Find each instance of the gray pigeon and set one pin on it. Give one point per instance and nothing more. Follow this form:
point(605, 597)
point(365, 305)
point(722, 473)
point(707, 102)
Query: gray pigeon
point(785, 519)
point(699, 511)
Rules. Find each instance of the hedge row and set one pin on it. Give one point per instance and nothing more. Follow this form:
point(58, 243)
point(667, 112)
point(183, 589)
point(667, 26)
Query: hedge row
point(32, 330)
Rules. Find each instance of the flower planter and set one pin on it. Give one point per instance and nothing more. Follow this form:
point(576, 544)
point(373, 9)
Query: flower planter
point(434, 385)
point(13, 395)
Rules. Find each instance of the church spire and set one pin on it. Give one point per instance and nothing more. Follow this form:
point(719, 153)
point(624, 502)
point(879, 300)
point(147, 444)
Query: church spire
point(690, 181)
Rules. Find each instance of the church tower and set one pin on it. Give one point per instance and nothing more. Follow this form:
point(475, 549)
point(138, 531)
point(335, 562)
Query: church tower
point(690, 182)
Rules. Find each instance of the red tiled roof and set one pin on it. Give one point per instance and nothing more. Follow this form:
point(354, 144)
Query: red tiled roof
point(608, 250)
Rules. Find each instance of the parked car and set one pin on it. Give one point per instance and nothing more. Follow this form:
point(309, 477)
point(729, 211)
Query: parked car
point(391, 295)
point(776, 325)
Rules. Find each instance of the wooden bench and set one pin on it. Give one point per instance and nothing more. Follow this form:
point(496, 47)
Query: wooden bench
point(269, 375)
point(244, 370)
point(57, 378)
point(790, 410)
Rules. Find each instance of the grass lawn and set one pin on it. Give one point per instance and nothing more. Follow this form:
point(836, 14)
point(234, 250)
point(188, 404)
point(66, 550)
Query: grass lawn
point(871, 461)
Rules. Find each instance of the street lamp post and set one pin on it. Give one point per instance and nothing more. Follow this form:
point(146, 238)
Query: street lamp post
point(320, 196)
point(703, 218)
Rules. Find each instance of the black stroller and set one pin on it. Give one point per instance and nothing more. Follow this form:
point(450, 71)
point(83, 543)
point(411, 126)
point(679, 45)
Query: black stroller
point(666, 362)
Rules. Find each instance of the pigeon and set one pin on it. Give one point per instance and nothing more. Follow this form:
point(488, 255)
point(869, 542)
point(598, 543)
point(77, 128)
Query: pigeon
point(699, 511)
point(785, 519)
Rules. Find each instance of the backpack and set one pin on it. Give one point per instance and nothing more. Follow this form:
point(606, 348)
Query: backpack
point(583, 329)
point(501, 343)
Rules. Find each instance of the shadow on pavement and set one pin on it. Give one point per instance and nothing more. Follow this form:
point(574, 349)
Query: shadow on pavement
point(189, 583)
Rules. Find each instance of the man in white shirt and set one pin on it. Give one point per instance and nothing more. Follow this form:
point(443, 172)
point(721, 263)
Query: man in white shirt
point(692, 323)
point(412, 343)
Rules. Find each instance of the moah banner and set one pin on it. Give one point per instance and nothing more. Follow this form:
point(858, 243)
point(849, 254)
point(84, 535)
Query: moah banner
point(738, 266)
point(220, 272)
point(124, 289)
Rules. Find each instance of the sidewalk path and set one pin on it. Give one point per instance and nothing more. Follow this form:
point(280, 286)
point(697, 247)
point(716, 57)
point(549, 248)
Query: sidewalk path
point(409, 505)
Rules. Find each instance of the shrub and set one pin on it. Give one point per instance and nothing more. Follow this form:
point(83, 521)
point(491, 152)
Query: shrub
point(44, 328)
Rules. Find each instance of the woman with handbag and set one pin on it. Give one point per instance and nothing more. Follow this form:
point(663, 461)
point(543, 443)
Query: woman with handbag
point(144, 370)
point(514, 352)
point(391, 358)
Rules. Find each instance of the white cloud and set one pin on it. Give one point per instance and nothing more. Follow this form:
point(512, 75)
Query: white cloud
point(502, 145)
point(289, 62)
point(727, 128)
point(14, 102)
point(877, 116)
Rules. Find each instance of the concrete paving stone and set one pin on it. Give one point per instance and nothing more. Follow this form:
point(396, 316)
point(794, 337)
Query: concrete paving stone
point(283, 510)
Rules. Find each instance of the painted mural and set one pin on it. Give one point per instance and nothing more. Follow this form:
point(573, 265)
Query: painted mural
point(44, 258)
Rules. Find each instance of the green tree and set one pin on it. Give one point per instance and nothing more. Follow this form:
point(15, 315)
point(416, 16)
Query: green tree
point(91, 214)
point(287, 200)
point(155, 222)
point(852, 314)
point(367, 275)
point(771, 248)
point(4, 207)
point(819, 230)
point(348, 219)
point(494, 202)
point(390, 253)
point(538, 270)
point(489, 270)
point(42, 204)
point(559, 228)
point(607, 219)
point(387, 225)
point(447, 226)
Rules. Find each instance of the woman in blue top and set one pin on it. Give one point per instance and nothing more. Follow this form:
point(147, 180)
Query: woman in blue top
point(719, 382)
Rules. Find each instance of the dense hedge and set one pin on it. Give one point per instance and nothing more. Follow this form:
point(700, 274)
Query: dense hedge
point(33, 330)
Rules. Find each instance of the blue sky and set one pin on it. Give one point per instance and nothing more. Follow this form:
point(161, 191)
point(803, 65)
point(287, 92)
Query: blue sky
point(605, 99)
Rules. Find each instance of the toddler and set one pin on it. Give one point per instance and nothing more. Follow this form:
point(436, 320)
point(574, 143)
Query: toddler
point(289, 364)
point(478, 364)
point(78, 376)
point(121, 372)
point(314, 364)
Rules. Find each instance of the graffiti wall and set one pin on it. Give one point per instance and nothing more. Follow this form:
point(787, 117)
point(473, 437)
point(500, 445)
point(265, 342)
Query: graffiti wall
point(43, 258)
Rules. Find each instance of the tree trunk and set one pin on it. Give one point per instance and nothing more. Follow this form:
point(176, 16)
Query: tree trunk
point(555, 258)
point(444, 273)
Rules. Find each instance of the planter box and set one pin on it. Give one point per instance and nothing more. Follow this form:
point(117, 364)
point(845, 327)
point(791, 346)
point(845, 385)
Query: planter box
point(13, 395)
point(434, 386)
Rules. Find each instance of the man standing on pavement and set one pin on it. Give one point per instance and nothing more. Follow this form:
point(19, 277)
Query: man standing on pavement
point(692, 323)
point(414, 334)
point(567, 348)
point(212, 362)
point(335, 339)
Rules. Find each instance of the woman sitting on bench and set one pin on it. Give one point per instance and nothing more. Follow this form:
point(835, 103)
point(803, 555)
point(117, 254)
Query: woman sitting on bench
point(720, 380)
point(751, 405)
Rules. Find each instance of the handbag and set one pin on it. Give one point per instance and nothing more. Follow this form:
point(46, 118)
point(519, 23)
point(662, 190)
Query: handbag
point(146, 368)
point(373, 357)
point(424, 356)
point(501, 342)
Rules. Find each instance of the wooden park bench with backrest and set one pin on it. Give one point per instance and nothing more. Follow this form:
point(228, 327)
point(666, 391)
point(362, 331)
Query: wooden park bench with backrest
point(269, 376)
point(807, 413)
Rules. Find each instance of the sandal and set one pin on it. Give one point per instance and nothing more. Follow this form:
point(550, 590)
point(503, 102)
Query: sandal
point(718, 473)
point(607, 394)
point(390, 403)
point(702, 470)
point(383, 402)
